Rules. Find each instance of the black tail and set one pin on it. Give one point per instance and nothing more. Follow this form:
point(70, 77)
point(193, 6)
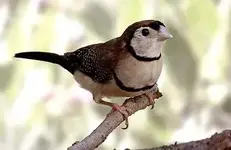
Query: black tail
point(48, 57)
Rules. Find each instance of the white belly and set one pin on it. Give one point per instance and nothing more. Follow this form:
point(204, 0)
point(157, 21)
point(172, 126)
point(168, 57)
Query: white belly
point(138, 74)
point(134, 74)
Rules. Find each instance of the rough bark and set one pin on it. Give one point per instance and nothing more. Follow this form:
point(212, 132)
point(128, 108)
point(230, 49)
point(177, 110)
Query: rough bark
point(218, 141)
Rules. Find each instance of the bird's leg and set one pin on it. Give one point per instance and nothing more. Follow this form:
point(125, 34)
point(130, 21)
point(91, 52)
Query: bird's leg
point(118, 108)
point(150, 95)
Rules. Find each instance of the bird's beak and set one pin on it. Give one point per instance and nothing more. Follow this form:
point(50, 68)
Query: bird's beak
point(163, 34)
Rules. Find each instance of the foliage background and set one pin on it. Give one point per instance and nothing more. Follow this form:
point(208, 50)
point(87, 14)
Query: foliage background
point(42, 107)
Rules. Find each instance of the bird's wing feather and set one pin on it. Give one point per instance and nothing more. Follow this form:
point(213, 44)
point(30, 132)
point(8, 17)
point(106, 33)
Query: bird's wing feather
point(96, 61)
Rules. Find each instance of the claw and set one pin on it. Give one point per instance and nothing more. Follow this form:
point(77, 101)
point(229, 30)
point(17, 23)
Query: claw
point(152, 96)
point(124, 112)
point(150, 99)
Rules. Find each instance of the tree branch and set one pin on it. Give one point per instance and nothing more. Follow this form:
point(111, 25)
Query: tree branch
point(112, 120)
point(221, 141)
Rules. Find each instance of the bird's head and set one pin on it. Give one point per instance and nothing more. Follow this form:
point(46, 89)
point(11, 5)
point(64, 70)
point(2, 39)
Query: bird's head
point(146, 38)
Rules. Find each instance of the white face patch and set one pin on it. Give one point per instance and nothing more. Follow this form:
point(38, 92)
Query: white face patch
point(146, 46)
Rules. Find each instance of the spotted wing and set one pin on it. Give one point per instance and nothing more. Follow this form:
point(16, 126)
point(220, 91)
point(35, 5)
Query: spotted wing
point(94, 61)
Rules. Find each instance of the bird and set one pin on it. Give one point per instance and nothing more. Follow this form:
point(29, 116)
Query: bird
point(126, 66)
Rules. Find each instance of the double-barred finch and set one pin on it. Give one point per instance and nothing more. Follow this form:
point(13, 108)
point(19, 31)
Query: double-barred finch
point(126, 66)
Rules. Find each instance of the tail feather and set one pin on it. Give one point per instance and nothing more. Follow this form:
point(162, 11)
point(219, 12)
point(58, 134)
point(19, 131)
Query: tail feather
point(47, 57)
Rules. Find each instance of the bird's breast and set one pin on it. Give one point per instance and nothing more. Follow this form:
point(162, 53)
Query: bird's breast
point(138, 74)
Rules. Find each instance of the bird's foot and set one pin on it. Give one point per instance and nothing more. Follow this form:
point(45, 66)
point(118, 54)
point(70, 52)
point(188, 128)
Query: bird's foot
point(151, 96)
point(123, 110)
point(150, 99)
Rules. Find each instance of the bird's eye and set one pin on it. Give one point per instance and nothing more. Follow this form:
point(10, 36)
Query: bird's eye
point(145, 32)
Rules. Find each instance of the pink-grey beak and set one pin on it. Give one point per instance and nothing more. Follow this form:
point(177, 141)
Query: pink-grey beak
point(163, 34)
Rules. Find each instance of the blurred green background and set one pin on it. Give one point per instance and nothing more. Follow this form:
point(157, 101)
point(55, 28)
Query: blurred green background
point(43, 108)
